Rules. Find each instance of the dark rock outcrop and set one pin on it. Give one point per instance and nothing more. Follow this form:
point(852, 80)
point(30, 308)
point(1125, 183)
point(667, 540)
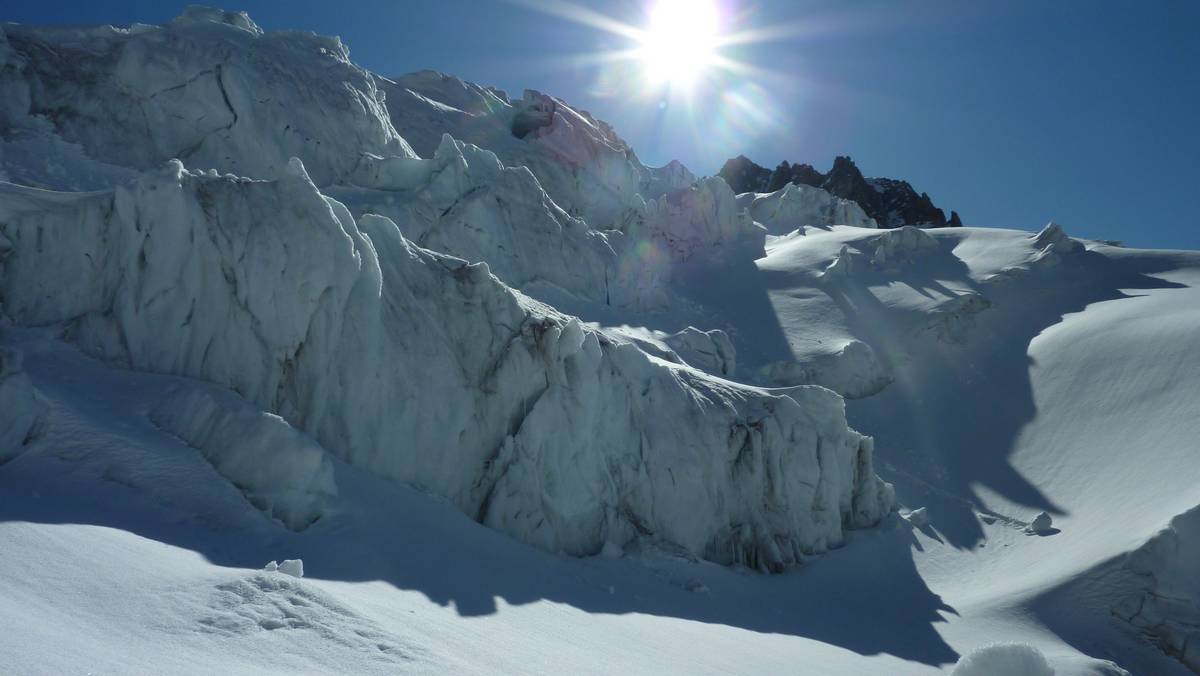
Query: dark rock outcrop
point(892, 203)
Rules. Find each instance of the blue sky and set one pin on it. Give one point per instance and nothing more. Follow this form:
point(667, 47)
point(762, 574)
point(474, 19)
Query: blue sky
point(1012, 113)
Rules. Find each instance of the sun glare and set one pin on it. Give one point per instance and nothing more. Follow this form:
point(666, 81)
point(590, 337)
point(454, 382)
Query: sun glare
point(679, 42)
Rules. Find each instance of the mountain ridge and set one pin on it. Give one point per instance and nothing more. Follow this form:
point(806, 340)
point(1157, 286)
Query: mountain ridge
point(893, 203)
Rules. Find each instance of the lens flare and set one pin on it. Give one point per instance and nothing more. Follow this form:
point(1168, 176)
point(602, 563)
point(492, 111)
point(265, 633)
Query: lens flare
point(679, 42)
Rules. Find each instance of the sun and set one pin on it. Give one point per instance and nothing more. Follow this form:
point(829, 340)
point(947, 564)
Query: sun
point(679, 42)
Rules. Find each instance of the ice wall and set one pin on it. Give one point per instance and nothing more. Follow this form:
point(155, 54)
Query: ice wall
point(426, 369)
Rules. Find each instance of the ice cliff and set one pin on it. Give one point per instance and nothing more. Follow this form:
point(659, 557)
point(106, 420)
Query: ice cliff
point(427, 369)
point(395, 340)
point(1166, 605)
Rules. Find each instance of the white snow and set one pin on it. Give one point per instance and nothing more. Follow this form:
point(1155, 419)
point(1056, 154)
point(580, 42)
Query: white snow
point(325, 358)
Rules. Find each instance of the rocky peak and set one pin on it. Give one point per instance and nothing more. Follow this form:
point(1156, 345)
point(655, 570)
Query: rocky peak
point(892, 203)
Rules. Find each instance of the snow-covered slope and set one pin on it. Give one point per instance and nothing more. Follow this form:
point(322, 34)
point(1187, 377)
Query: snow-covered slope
point(261, 358)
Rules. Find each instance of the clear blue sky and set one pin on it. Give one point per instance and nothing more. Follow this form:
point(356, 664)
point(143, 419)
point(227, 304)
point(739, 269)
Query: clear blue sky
point(1012, 112)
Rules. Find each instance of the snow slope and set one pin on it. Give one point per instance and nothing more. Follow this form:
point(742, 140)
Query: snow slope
point(202, 372)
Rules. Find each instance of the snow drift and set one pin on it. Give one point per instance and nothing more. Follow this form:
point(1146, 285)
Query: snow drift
point(426, 369)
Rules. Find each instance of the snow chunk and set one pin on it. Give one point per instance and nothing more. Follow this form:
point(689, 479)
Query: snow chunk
point(1003, 659)
point(1042, 523)
point(900, 245)
point(281, 470)
point(293, 567)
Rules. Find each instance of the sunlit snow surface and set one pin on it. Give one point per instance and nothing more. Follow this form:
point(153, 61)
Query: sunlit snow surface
point(1002, 374)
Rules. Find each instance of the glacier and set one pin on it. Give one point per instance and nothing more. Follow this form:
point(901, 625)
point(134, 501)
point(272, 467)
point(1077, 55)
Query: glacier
point(258, 303)
point(428, 370)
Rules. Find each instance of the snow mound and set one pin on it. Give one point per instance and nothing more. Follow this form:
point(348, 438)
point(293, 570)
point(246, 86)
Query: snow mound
point(209, 88)
point(281, 470)
point(426, 369)
point(797, 205)
point(709, 351)
point(1003, 659)
point(1167, 605)
point(21, 410)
